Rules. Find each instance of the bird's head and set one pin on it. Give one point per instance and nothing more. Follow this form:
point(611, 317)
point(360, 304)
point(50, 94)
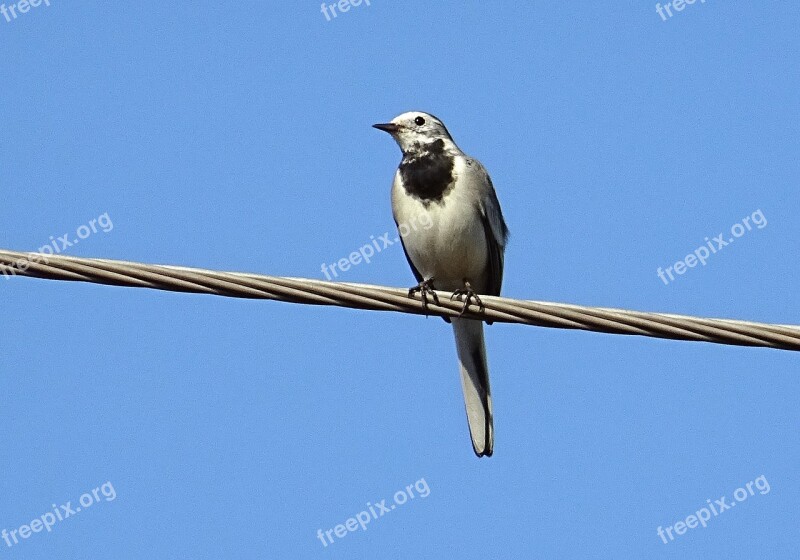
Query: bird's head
point(414, 130)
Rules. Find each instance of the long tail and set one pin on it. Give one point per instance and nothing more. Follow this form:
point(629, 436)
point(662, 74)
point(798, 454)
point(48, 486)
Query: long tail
point(475, 383)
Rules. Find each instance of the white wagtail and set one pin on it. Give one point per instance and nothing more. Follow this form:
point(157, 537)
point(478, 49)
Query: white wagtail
point(463, 249)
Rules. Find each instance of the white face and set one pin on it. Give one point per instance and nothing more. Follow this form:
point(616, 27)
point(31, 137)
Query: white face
point(415, 128)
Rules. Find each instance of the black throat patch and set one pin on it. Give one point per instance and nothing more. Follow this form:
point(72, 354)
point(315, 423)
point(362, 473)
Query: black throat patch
point(427, 173)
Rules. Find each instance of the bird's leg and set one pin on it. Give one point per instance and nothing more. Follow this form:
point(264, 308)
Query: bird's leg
point(425, 288)
point(469, 297)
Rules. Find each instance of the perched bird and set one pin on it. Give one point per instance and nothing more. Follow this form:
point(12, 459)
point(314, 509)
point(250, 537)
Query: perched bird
point(438, 184)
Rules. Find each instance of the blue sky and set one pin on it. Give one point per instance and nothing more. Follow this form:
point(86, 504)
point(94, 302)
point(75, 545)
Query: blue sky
point(236, 136)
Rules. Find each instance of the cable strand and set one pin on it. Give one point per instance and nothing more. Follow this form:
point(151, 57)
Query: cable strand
point(382, 298)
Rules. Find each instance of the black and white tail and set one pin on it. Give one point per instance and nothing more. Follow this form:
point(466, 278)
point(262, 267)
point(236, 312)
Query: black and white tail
point(475, 383)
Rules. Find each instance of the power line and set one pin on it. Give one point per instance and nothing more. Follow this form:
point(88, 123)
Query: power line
point(381, 298)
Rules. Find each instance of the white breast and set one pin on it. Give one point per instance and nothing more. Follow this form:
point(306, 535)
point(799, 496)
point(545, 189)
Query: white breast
point(445, 241)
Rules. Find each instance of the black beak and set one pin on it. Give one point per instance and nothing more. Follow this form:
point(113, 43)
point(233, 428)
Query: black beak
point(387, 127)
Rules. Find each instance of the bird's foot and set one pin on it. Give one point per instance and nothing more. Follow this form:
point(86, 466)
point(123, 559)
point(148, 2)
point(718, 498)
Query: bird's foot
point(425, 289)
point(469, 296)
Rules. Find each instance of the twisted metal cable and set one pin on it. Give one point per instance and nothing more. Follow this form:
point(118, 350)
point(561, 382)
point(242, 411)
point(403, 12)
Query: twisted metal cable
point(381, 298)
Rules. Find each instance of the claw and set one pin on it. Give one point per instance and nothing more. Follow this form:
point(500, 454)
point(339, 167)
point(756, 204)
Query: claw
point(426, 289)
point(469, 297)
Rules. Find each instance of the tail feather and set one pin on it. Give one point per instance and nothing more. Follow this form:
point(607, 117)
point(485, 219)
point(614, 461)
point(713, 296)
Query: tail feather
point(475, 383)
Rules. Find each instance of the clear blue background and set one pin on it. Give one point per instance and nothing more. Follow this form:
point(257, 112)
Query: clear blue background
point(236, 136)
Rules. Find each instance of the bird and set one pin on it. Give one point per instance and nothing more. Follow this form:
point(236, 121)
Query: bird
point(462, 251)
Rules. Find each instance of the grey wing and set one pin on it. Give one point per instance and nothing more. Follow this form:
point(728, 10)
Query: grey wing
point(494, 268)
point(496, 232)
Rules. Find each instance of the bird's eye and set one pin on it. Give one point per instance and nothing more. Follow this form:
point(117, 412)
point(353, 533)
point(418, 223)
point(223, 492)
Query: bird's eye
point(419, 121)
